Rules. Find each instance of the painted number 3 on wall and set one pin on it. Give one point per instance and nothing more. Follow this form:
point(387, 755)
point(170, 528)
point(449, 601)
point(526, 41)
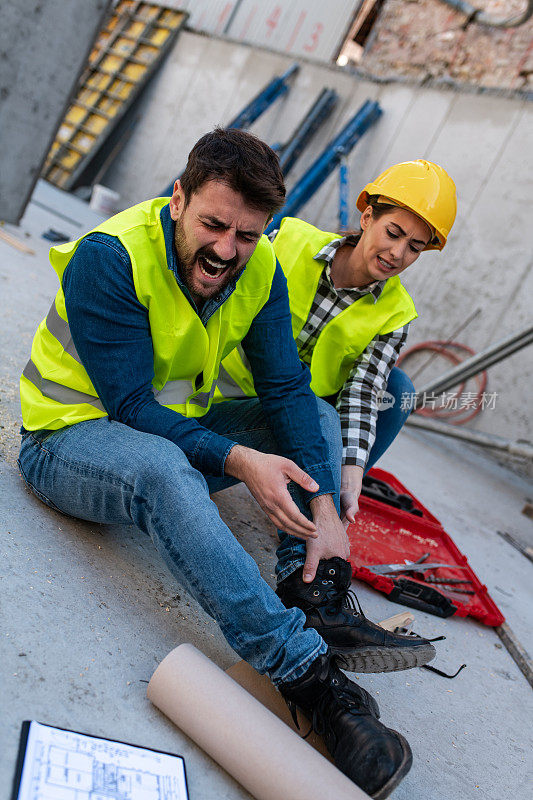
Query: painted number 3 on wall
point(312, 43)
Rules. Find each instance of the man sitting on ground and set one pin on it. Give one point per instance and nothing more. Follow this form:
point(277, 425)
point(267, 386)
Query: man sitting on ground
point(126, 421)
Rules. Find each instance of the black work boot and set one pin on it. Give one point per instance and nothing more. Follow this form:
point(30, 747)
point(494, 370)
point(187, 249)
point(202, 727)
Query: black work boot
point(361, 645)
point(374, 757)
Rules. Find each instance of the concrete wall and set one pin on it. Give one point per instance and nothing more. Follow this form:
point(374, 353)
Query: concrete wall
point(43, 47)
point(484, 142)
point(307, 28)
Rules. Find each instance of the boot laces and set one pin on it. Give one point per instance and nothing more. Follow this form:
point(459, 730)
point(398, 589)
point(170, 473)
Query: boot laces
point(346, 699)
point(293, 708)
point(342, 598)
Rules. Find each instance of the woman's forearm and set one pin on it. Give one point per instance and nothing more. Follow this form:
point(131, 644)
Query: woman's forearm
point(351, 477)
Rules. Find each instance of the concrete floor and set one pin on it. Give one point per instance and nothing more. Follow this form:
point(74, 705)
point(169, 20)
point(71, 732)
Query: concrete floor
point(89, 611)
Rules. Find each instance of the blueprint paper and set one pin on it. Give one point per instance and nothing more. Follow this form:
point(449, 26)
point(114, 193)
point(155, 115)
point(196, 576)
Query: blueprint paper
point(63, 765)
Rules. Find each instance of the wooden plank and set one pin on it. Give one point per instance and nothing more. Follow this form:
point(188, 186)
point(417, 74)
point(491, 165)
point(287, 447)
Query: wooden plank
point(16, 243)
point(526, 551)
point(517, 651)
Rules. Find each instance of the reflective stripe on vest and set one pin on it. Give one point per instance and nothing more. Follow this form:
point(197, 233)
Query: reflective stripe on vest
point(173, 393)
point(59, 328)
point(57, 392)
point(227, 386)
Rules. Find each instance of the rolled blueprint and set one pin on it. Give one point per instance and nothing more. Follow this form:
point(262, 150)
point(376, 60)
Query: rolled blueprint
point(265, 756)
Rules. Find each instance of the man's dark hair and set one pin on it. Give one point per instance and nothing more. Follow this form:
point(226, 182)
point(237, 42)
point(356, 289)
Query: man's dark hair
point(242, 161)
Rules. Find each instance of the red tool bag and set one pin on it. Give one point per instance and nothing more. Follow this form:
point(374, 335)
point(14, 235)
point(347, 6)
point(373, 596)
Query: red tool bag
point(385, 534)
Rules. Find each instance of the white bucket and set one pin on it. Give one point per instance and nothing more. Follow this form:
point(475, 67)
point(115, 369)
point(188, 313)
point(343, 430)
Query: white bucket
point(103, 200)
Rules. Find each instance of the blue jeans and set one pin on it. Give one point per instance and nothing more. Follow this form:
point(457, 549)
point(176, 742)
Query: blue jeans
point(392, 418)
point(107, 472)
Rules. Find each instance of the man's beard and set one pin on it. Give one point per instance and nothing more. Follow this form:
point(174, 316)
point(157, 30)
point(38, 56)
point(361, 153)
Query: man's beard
point(187, 259)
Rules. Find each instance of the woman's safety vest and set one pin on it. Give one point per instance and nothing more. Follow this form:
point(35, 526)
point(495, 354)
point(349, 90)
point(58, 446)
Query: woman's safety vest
point(55, 388)
point(342, 340)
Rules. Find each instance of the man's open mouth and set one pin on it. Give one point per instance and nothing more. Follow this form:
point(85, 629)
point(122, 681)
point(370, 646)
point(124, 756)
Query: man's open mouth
point(211, 269)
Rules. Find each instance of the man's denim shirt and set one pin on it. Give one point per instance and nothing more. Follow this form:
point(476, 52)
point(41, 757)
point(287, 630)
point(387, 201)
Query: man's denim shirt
point(111, 331)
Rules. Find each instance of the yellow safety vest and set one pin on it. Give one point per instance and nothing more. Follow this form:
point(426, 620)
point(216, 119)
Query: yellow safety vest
point(55, 388)
point(342, 340)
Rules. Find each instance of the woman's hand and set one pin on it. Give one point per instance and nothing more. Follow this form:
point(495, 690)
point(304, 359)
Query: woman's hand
point(351, 483)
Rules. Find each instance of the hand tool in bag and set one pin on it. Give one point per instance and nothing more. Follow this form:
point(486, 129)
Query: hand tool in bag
point(377, 489)
point(424, 598)
point(420, 565)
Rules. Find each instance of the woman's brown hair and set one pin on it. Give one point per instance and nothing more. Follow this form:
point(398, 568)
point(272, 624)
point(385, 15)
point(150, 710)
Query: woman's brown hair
point(378, 210)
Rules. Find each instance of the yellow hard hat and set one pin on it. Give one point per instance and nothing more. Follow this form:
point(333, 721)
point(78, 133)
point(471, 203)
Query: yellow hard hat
point(423, 188)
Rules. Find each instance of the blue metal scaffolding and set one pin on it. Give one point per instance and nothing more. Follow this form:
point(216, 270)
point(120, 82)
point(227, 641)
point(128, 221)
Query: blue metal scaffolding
point(276, 88)
point(340, 146)
point(319, 112)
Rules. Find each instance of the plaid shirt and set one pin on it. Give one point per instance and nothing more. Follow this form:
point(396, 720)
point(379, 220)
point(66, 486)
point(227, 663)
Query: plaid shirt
point(357, 401)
